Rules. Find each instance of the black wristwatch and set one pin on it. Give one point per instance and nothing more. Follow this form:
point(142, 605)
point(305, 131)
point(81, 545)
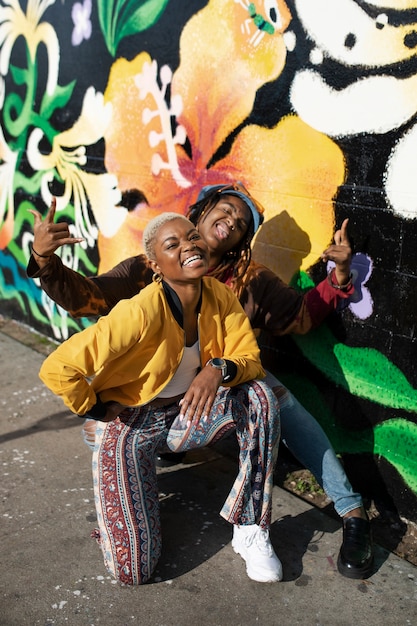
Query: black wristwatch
point(219, 364)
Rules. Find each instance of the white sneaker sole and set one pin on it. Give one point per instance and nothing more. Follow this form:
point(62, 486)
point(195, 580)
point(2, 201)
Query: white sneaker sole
point(255, 575)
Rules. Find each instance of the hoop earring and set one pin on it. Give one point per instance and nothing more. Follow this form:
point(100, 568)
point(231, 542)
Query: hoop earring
point(156, 278)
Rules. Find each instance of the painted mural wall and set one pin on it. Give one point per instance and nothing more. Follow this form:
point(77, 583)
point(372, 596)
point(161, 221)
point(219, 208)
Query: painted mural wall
point(311, 103)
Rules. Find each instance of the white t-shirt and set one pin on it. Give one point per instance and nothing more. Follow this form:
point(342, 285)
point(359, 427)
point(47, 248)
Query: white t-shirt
point(185, 373)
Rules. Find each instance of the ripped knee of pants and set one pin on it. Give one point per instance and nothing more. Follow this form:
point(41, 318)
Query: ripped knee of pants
point(89, 433)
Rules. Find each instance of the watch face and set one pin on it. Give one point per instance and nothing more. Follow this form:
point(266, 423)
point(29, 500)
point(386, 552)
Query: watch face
point(216, 362)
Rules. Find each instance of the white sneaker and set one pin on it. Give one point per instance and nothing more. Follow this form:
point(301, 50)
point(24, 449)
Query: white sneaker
point(254, 546)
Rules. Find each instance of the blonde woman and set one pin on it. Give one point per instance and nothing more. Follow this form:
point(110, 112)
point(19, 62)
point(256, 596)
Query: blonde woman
point(183, 350)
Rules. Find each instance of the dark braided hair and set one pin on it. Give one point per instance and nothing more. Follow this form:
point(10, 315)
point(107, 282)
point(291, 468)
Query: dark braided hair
point(235, 262)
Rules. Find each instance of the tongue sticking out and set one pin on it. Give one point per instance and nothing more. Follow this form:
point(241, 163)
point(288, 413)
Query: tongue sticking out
point(222, 231)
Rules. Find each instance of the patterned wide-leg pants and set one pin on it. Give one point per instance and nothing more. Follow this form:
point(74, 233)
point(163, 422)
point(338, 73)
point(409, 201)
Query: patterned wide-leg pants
point(125, 480)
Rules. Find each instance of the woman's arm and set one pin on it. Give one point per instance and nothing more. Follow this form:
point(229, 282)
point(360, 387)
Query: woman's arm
point(277, 308)
point(77, 294)
point(84, 297)
point(228, 335)
point(68, 370)
point(273, 306)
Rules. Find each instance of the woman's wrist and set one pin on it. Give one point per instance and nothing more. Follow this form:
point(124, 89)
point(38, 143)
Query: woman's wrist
point(41, 256)
point(41, 259)
point(340, 280)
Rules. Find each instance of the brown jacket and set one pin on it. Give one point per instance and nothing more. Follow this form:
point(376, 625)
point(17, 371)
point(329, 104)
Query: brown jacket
point(270, 304)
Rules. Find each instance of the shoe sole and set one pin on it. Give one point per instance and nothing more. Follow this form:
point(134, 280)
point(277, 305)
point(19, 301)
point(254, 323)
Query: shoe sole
point(257, 579)
point(356, 573)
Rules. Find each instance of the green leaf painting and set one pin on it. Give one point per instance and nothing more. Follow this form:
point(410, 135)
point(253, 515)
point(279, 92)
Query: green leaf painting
point(119, 18)
point(364, 372)
point(395, 439)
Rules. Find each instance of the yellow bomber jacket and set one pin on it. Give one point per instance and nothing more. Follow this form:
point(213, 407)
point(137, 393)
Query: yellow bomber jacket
point(134, 351)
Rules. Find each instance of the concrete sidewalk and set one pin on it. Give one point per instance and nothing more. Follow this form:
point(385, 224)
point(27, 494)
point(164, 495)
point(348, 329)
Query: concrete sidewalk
point(52, 572)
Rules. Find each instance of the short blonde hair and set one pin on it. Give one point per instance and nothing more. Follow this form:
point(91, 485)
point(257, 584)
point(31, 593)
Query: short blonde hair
point(152, 227)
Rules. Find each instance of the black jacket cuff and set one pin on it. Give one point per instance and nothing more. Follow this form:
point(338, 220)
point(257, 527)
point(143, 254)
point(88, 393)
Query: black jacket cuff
point(231, 371)
point(97, 412)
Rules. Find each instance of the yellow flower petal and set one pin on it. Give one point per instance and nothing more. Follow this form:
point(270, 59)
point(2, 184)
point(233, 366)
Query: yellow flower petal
point(295, 172)
point(125, 146)
point(221, 68)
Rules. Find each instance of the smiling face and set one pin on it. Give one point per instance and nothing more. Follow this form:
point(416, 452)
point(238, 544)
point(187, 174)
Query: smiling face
point(179, 252)
point(224, 226)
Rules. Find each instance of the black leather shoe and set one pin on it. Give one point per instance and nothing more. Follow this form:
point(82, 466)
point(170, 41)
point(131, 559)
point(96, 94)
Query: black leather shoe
point(169, 459)
point(356, 553)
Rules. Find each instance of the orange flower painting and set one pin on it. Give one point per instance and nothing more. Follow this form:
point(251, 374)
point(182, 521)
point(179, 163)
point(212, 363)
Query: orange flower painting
point(168, 129)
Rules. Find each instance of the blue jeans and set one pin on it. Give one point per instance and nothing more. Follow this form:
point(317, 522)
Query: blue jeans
point(307, 441)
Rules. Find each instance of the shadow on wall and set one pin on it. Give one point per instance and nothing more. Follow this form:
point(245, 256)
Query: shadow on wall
point(355, 443)
point(282, 245)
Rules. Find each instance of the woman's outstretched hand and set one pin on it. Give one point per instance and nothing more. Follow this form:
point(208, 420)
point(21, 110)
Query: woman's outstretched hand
point(340, 253)
point(49, 236)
